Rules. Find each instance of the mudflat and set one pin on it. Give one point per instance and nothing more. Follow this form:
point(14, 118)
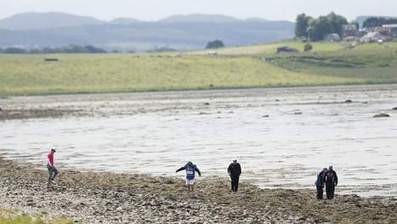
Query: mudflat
point(101, 197)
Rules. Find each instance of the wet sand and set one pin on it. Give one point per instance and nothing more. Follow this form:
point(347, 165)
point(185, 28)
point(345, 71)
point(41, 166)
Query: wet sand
point(101, 197)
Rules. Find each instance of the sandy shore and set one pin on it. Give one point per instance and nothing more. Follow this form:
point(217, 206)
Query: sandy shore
point(94, 197)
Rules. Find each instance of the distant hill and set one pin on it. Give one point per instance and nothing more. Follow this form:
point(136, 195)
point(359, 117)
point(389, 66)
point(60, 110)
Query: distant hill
point(124, 21)
point(183, 32)
point(255, 19)
point(199, 18)
point(34, 21)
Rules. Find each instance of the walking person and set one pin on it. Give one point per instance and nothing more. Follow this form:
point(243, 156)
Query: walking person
point(331, 181)
point(320, 183)
point(234, 171)
point(52, 170)
point(191, 170)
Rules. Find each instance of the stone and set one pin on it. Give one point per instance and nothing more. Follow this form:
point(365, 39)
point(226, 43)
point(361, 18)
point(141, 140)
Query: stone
point(381, 115)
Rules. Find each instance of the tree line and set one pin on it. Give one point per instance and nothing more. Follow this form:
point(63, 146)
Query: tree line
point(49, 50)
point(378, 21)
point(316, 29)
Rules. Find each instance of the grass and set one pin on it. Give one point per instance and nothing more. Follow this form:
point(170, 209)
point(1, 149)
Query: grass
point(373, 63)
point(240, 67)
point(266, 49)
point(11, 217)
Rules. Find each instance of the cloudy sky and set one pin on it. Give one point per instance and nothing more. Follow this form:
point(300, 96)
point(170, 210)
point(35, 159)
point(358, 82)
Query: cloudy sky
point(156, 9)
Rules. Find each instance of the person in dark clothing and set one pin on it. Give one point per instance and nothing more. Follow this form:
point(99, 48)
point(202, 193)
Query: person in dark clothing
point(191, 170)
point(320, 183)
point(331, 181)
point(234, 171)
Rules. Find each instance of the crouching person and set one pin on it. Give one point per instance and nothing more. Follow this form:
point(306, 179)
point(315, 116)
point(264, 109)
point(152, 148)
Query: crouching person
point(191, 170)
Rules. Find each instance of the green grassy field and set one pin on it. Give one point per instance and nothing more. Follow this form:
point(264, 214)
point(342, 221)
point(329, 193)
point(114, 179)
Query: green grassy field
point(11, 217)
point(239, 67)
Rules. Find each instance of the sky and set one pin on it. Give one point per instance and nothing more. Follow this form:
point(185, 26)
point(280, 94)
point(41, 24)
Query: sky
point(157, 9)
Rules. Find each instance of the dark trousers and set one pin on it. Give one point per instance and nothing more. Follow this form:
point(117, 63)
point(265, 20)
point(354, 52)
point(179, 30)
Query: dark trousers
point(330, 189)
point(320, 192)
point(52, 173)
point(235, 180)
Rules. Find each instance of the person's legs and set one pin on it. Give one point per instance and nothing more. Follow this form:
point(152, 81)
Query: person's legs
point(332, 191)
point(55, 173)
point(49, 173)
point(189, 184)
point(233, 183)
point(236, 184)
point(328, 191)
point(320, 192)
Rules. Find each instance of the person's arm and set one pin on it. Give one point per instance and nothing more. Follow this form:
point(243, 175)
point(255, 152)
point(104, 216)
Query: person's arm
point(198, 171)
point(180, 169)
point(229, 169)
point(239, 169)
point(336, 179)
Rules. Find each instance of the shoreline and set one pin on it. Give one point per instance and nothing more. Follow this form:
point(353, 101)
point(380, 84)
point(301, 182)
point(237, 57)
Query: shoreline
point(77, 105)
point(209, 89)
point(104, 197)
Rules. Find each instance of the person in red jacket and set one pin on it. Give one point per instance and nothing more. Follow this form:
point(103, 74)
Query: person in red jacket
point(52, 170)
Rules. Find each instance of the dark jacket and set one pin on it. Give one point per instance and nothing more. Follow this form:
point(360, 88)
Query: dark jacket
point(191, 170)
point(331, 177)
point(234, 169)
point(321, 178)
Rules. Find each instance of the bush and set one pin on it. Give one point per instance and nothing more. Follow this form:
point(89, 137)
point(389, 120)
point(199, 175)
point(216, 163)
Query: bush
point(308, 47)
point(215, 44)
point(14, 50)
point(48, 50)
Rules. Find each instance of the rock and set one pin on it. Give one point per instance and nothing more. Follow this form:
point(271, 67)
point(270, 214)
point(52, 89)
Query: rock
point(349, 101)
point(380, 115)
point(206, 103)
point(265, 116)
point(286, 49)
point(394, 108)
point(298, 113)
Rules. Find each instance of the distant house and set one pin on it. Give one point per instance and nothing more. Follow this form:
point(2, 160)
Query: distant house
point(385, 31)
point(212, 53)
point(374, 37)
point(350, 30)
point(392, 28)
point(333, 37)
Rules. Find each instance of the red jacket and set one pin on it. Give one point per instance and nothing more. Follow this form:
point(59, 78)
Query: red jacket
point(51, 159)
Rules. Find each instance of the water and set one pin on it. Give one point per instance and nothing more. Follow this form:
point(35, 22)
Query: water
point(155, 133)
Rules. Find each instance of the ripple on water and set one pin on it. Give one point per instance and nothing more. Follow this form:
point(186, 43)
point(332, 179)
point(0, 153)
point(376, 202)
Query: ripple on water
point(303, 134)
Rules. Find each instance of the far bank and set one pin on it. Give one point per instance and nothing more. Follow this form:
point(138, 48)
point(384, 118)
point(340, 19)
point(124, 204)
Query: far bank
point(229, 68)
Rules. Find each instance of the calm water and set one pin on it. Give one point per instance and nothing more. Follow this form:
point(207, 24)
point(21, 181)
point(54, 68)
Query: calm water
point(306, 129)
